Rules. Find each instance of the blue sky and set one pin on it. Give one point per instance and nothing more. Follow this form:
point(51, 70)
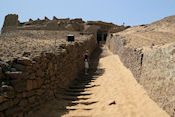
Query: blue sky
point(132, 12)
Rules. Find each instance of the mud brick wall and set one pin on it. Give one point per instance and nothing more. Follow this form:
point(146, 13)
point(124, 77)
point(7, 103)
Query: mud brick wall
point(37, 80)
point(10, 23)
point(153, 68)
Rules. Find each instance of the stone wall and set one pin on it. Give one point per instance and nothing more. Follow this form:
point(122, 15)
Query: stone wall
point(131, 57)
point(158, 75)
point(36, 80)
point(153, 68)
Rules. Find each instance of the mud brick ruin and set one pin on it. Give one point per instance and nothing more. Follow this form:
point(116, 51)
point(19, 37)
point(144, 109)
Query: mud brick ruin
point(36, 60)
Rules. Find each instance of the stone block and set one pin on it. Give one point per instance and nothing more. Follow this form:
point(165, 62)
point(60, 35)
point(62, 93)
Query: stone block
point(39, 92)
point(10, 92)
point(20, 114)
point(19, 85)
point(23, 102)
point(31, 76)
point(32, 99)
point(39, 82)
point(30, 114)
point(40, 73)
point(24, 61)
point(2, 99)
point(28, 94)
point(34, 84)
point(5, 105)
point(37, 58)
point(15, 101)
point(1, 73)
point(19, 95)
point(29, 85)
point(2, 114)
point(14, 75)
point(4, 66)
point(19, 67)
point(12, 111)
point(53, 78)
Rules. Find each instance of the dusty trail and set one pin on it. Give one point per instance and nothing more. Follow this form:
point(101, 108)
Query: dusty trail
point(108, 81)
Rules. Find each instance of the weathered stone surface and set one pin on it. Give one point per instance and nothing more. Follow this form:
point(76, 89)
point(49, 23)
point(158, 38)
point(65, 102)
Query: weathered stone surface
point(19, 67)
point(12, 111)
point(28, 94)
point(40, 92)
point(2, 114)
point(23, 102)
point(10, 92)
point(4, 66)
point(1, 74)
point(52, 25)
point(31, 76)
point(40, 73)
point(20, 115)
point(14, 75)
point(34, 84)
point(46, 18)
point(29, 85)
point(39, 81)
point(19, 85)
point(2, 99)
point(24, 61)
point(5, 105)
point(10, 23)
point(32, 100)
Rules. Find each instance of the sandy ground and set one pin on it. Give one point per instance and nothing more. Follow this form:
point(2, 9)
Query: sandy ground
point(115, 83)
point(118, 84)
point(157, 33)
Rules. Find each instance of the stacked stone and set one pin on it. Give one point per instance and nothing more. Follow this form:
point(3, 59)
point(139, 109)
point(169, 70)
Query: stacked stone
point(34, 81)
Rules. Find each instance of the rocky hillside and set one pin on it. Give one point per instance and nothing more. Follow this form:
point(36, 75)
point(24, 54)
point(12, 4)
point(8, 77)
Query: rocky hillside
point(33, 42)
point(157, 33)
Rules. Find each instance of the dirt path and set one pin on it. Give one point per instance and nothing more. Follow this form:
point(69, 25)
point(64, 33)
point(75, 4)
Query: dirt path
point(90, 96)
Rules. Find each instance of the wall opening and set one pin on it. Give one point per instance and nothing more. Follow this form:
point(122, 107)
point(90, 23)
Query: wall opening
point(101, 37)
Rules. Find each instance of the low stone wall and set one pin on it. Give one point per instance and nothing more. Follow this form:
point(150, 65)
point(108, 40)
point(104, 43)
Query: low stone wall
point(37, 80)
point(153, 68)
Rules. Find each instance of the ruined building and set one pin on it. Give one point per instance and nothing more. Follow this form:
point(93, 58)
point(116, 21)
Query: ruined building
point(99, 28)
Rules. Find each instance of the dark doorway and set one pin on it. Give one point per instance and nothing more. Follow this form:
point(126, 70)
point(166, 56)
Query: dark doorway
point(105, 36)
point(101, 37)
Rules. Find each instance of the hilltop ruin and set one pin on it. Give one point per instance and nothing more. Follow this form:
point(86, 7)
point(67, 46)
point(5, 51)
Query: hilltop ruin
point(99, 28)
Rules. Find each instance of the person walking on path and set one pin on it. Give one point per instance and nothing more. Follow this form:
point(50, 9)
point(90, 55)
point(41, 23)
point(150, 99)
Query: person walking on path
point(86, 63)
point(173, 114)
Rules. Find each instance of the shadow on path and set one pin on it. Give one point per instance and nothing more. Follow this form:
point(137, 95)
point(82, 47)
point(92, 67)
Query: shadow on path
point(75, 94)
